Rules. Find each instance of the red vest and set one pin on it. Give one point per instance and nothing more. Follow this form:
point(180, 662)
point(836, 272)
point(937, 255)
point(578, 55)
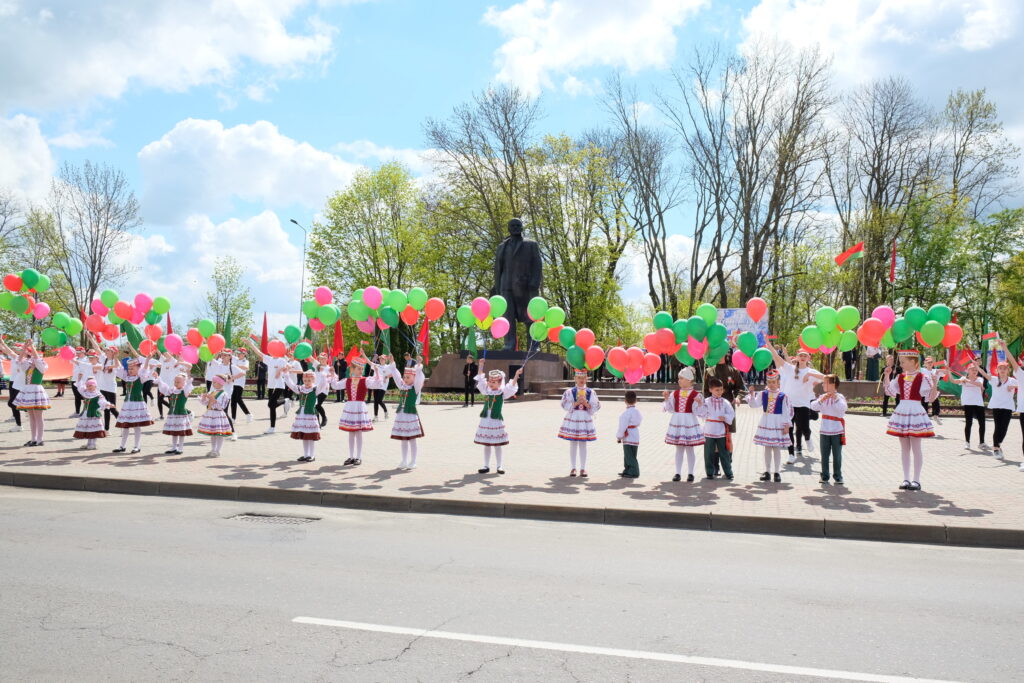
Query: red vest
point(678, 405)
point(359, 393)
point(911, 392)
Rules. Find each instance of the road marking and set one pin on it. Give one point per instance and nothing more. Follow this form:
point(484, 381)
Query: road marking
point(614, 652)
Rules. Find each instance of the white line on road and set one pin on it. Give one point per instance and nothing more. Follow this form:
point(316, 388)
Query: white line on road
point(615, 652)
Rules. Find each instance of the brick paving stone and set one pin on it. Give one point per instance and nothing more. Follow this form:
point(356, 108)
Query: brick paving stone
point(967, 488)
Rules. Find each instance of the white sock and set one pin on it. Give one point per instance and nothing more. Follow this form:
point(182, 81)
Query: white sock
point(413, 449)
point(691, 459)
point(138, 436)
point(498, 456)
point(352, 444)
point(359, 445)
point(573, 447)
point(768, 458)
point(915, 444)
point(583, 455)
point(124, 436)
point(487, 456)
point(215, 443)
point(405, 453)
point(90, 442)
point(679, 460)
point(905, 457)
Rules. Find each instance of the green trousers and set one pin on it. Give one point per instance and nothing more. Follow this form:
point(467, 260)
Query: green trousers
point(715, 451)
point(631, 467)
point(831, 445)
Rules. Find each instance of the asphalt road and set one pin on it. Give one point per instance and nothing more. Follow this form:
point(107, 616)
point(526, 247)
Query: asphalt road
point(103, 587)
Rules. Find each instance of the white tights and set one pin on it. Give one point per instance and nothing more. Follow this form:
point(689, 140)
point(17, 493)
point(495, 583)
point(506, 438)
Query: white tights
point(216, 443)
point(126, 431)
point(178, 443)
point(309, 448)
point(355, 445)
point(497, 455)
point(579, 447)
point(772, 459)
point(691, 459)
point(35, 423)
point(408, 453)
point(906, 445)
point(90, 443)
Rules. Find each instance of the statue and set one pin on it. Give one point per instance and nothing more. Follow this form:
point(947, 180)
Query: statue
point(517, 274)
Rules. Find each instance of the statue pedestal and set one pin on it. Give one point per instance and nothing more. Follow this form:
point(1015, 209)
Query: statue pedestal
point(542, 367)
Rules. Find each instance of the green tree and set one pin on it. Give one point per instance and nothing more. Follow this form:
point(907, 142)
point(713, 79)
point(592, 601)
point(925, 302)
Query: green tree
point(229, 296)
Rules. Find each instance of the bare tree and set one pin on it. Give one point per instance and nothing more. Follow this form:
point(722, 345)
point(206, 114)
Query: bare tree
point(10, 215)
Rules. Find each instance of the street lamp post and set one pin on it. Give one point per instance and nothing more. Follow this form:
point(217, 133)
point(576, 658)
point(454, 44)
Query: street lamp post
point(302, 287)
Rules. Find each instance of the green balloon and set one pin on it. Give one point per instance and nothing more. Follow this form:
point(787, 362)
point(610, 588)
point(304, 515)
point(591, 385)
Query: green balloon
point(292, 334)
point(465, 316)
point(662, 319)
point(717, 334)
point(499, 306)
point(848, 317)
point(916, 317)
point(747, 343)
point(762, 359)
point(51, 336)
point(357, 310)
point(328, 314)
point(61, 320)
point(205, 354)
point(576, 356)
point(679, 330)
point(418, 298)
point(5, 301)
point(538, 331)
point(812, 337)
point(109, 298)
point(612, 371)
point(19, 304)
point(152, 318)
point(357, 295)
point(206, 327)
point(848, 340)
point(887, 340)
point(161, 305)
point(310, 309)
point(554, 317)
point(716, 353)
point(160, 344)
point(74, 327)
point(684, 357)
point(697, 328)
point(29, 277)
point(114, 318)
point(932, 332)
point(901, 330)
point(537, 307)
point(826, 318)
point(42, 284)
point(567, 337)
point(941, 314)
point(708, 312)
point(832, 337)
point(389, 316)
point(397, 300)
point(303, 351)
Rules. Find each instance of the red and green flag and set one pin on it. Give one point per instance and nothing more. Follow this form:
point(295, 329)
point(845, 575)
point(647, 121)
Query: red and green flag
point(854, 252)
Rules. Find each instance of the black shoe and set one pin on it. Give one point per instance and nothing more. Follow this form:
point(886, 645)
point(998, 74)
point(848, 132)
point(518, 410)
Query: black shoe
point(357, 462)
point(136, 450)
point(777, 478)
point(677, 478)
point(501, 471)
point(718, 472)
point(766, 476)
point(915, 486)
point(170, 452)
point(822, 480)
point(689, 477)
point(30, 443)
point(118, 450)
point(905, 486)
point(483, 470)
point(838, 482)
point(729, 477)
point(348, 461)
point(303, 458)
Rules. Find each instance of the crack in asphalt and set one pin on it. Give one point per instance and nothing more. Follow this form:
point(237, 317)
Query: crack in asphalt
point(484, 663)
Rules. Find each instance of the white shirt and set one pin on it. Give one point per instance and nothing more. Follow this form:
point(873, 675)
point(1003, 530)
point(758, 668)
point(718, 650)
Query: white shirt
point(105, 378)
point(831, 408)
point(971, 394)
point(1019, 376)
point(273, 365)
point(215, 367)
point(800, 393)
point(873, 351)
point(713, 410)
point(629, 426)
point(19, 373)
point(79, 368)
point(1002, 393)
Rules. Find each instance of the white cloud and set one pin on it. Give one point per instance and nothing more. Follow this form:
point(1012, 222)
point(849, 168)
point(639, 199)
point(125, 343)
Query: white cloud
point(26, 164)
point(80, 140)
point(200, 167)
point(72, 52)
point(260, 243)
point(418, 161)
point(547, 39)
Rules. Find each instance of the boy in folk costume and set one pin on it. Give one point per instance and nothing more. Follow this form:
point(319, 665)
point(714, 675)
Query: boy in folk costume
point(90, 424)
point(215, 422)
point(909, 421)
point(628, 435)
point(355, 418)
point(776, 420)
point(306, 425)
point(579, 403)
point(832, 406)
point(684, 430)
point(491, 432)
point(178, 424)
point(134, 413)
point(718, 414)
point(32, 399)
point(407, 427)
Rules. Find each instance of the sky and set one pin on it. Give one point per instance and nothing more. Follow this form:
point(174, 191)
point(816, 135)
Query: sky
point(232, 117)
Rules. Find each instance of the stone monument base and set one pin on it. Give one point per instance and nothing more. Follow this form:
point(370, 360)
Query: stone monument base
point(542, 367)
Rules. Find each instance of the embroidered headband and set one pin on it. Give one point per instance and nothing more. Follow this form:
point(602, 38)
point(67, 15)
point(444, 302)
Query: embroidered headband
point(581, 373)
point(218, 380)
point(908, 353)
point(496, 374)
point(686, 373)
point(772, 374)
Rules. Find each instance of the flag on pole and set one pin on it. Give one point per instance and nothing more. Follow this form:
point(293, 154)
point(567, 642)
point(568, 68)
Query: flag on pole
point(892, 264)
point(470, 343)
point(352, 354)
point(424, 339)
point(338, 340)
point(227, 330)
point(263, 339)
point(134, 336)
point(989, 335)
point(169, 330)
point(854, 252)
point(308, 333)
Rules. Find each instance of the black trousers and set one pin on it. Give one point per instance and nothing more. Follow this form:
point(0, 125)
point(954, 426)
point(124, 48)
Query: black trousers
point(78, 397)
point(10, 403)
point(1002, 417)
point(935, 407)
point(261, 389)
point(320, 398)
point(275, 398)
point(885, 403)
point(111, 397)
point(162, 401)
point(972, 413)
point(801, 427)
point(147, 391)
point(378, 402)
point(848, 366)
point(237, 401)
point(470, 398)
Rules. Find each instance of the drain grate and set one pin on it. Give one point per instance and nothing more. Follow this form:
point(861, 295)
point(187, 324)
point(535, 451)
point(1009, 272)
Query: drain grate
point(272, 519)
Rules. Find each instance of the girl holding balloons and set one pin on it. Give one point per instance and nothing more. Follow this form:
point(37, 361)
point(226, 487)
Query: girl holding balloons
point(580, 403)
point(134, 413)
point(684, 430)
point(355, 418)
point(407, 426)
point(32, 398)
point(909, 421)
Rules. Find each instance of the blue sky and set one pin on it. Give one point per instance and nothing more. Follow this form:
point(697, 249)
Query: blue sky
point(230, 118)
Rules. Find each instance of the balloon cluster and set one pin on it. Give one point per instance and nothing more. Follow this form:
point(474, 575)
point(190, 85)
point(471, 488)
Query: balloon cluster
point(64, 327)
point(375, 307)
point(203, 342)
point(485, 314)
point(632, 364)
point(19, 297)
point(689, 339)
point(933, 327)
point(109, 311)
point(548, 322)
point(321, 309)
point(834, 329)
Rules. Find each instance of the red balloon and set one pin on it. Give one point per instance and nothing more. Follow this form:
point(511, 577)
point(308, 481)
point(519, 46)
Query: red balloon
point(110, 332)
point(874, 327)
point(617, 358)
point(123, 310)
point(13, 282)
point(584, 338)
point(94, 323)
point(805, 347)
point(634, 358)
point(153, 332)
point(433, 309)
point(146, 347)
point(276, 348)
point(756, 308)
point(666, 339)
point(652, 362)
point(921, 341)
point(954, 333)
point(594, 357)
point(215, 343)
point(194, 338)
point(553, 334)
point(410, 316)
point(651, 342)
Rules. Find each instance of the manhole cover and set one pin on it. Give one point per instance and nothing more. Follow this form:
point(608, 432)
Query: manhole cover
point(273, 519)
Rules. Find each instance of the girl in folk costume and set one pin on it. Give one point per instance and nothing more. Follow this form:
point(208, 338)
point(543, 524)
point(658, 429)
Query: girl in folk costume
point(832, 406)
point(773, 429)
point(355, 418)
point(1001, 403)
point(972, 399)
point(90, 424)
point(491, 433)
point(134, 413)
point(407, 427)
point(30, 365)
point(179, 422)
point(909, 421)
point(579, 403)
point(684, 430)
point(215, 422)
point(306, 425)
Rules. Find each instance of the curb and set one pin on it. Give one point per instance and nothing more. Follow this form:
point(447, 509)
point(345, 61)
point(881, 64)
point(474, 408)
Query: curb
point(938, 534)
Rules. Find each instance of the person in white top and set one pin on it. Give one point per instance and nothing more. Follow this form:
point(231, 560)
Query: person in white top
point(909, 422)
point(1002, 404)
point(16, 385)
point(832, 406)
point(81, 368)
point(106, 380)
point(628, 434)
point(1018, 374)
point(874, 355)
point(275, 383)
point(580, 403)
point(718, 414)
point(684, 429)
point(972, 399)
point(491, 432)
point(29, 366)
point(936, 373)
point(240, 370)
point(797, 380)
